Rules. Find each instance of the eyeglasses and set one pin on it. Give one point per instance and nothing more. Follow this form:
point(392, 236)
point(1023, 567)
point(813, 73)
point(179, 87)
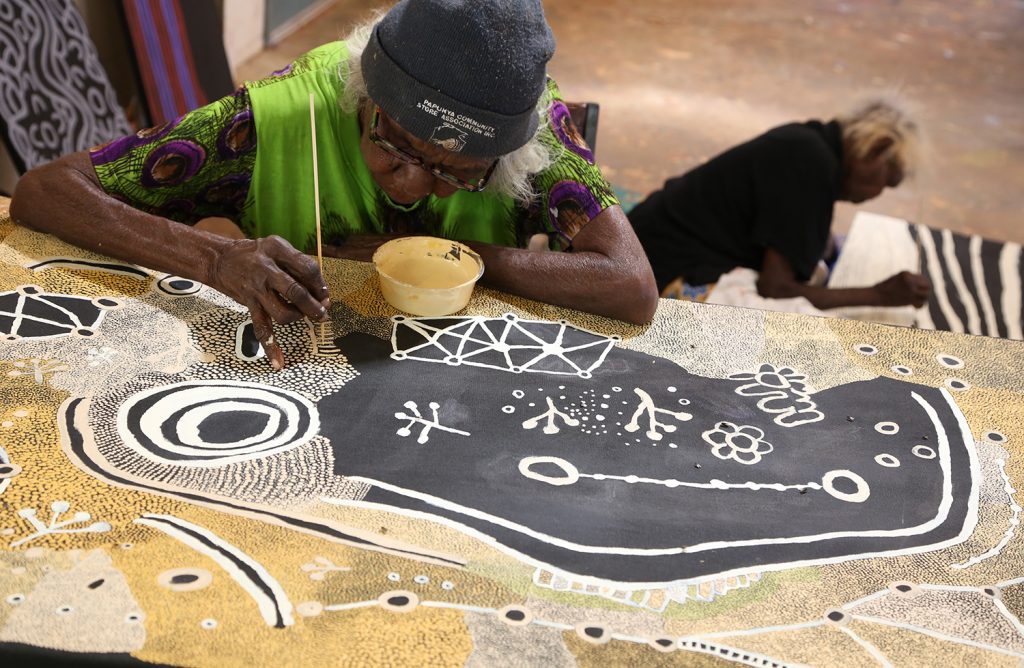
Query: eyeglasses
point(474, 184)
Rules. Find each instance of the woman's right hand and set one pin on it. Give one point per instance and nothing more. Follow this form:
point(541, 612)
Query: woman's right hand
point(275, 282)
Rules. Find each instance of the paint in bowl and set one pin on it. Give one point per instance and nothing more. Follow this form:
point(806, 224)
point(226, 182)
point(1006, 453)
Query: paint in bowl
point(427, 276)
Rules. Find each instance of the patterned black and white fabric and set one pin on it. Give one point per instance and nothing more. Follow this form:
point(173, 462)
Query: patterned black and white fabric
point(976, 282)
point(55, 97)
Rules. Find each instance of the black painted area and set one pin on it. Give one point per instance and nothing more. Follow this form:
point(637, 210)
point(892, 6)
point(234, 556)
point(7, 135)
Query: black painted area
point(96, 584)
point(184, 578)
point(399, 601)
point(480, 474)
point(249, 345)
point(19, 654)
point(515, 615)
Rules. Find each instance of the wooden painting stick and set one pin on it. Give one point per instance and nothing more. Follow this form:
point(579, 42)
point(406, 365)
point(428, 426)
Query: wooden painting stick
point(316, 194)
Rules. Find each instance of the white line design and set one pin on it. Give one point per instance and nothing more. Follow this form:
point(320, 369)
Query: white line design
point(1014, 522)
point(572, 475)
point(55, 526)
point(868, 647)
point(37, 368)
point(970, 519)
point(321, 339)
point(321, 566)
point(935, 634)
point(957, 278)
point(88, 265)
point(270, 597)
point(1009, 275)
point(417, 418)
point(943, 510)
point(978, 273)
point(784, 392)
point(648, 408)
point(462, 340)
point(938, 280)
point(696, 644)
point(551, 415)
point(70, 323)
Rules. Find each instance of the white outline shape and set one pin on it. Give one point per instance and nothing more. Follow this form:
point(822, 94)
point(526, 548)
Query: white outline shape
point(970, 520)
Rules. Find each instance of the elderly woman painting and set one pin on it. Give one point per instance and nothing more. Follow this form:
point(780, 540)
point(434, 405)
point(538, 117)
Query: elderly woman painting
point(437, 119)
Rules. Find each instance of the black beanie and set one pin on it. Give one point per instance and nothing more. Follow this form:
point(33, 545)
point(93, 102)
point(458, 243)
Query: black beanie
point(464, 74)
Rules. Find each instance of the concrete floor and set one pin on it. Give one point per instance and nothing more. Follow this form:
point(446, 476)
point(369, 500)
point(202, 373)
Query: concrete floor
point(679, 81)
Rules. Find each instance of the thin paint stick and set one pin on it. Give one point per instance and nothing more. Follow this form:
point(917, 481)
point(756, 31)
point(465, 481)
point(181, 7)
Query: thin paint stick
point(316, 184)
point(316, 194)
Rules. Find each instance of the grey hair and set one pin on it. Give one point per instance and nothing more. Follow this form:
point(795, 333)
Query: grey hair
point(512, 176)
point(883, 117)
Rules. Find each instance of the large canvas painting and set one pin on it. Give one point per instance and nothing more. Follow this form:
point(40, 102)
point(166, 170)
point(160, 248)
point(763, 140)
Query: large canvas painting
point(514, 484)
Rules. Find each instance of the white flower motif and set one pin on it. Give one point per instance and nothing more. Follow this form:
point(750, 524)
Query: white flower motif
point(771, 379)
point(98, 356)
point(745, 443)
point(784, 392)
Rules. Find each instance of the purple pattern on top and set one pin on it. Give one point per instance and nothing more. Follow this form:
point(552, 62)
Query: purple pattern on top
point(238, 136)
point(283, 71)
point(172, 163)
point(565, 130)
point(571, 205)
point(115, 149)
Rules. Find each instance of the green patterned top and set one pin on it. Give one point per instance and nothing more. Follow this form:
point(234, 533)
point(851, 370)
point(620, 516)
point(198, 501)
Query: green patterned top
point(209, 163)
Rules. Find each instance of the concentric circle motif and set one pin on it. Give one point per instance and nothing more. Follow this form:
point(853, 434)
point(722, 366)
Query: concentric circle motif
point(866, 349)
point(887, 460)
point(215, 422)
point(949, 361)
point(861, 490)
point(957, 385)
point(177, 286)
point(923, 451)
point(887, 428)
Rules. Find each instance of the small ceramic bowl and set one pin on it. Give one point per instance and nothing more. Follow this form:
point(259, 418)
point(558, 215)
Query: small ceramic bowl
point(427, 276)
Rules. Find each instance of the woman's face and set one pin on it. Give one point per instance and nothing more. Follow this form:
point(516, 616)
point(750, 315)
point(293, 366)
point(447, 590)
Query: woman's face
point(404, 182)
point(865, 178)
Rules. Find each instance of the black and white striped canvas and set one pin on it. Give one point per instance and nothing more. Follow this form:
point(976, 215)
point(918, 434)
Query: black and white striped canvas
point(54, 94)
point(976, 283)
